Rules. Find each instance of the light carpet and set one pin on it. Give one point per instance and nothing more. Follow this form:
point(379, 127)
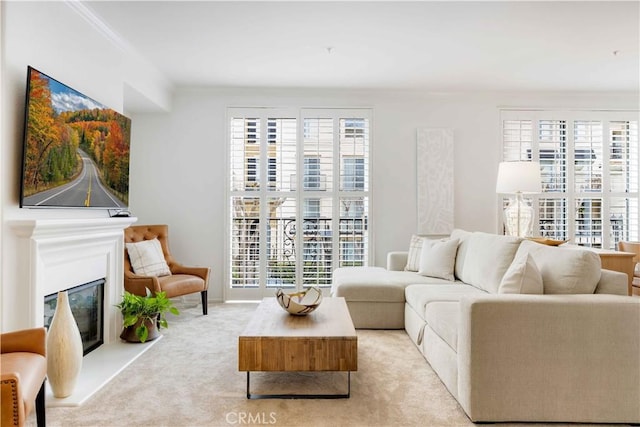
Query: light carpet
point(191, 378)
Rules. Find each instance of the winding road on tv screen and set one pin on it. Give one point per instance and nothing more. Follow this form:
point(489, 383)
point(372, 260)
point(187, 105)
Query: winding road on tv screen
point(84, 191)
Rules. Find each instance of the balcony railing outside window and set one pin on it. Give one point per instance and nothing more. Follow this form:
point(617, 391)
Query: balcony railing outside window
point(282, 250)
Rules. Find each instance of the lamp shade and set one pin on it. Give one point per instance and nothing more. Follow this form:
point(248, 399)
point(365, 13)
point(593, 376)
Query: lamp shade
point(519, 177)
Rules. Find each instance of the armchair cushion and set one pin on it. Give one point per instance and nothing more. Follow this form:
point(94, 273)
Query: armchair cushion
point(28, 371)
point(181, 284)
point(147, 258)
point(23, 368)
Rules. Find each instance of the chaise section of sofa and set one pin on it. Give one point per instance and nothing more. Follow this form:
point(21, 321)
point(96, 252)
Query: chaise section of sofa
point(525, 332)
point(375, 295)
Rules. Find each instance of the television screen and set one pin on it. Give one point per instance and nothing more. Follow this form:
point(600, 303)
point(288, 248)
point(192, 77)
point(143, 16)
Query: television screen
point(76, 150)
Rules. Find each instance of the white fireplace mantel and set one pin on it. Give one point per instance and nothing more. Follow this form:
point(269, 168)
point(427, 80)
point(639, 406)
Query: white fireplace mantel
point(58, 254)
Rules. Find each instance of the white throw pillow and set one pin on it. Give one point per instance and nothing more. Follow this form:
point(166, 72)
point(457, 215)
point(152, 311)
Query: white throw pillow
point(147, 258)
point(438, 258)
point(415, 248)
point(522, 277)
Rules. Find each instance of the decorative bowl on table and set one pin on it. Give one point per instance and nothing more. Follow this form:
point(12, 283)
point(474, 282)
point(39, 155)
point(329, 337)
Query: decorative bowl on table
point(300, 303)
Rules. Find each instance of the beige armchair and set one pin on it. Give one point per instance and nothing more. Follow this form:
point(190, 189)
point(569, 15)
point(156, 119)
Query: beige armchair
point(23, 365)
point(633, 247)
point(182, 281)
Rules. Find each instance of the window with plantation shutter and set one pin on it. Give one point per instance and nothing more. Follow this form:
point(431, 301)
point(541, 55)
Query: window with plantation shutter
point(589, 170)
point(354, 179)
point(298, 197)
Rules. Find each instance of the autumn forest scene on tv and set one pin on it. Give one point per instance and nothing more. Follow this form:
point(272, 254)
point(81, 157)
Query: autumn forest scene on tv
point(76, 151)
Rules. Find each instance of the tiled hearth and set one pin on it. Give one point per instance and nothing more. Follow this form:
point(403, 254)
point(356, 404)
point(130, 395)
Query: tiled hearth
point(57, 254)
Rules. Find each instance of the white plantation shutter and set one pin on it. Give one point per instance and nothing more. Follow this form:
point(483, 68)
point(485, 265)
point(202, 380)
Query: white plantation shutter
point(587, 155)
point(281, 267)
point(318, 187)
point(517, 138)
point(622, 226)
point(588, 222)
point(552, 155)
point(298, 195)
point(317, 241)
point(354, 238)
point(553, 218)
point(281, 152)
point(589, 170)
point(318, 152)
point(354, 181)
point(244, 154)
point(354, 154)
point(245, 242)
point(280, 258)
point(623, 169)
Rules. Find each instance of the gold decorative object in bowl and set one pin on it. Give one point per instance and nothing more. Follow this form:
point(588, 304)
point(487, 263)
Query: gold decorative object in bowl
point(548, 242)
point(300, 303)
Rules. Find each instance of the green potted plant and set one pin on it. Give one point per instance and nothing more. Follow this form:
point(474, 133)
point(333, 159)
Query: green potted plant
point(140, 314)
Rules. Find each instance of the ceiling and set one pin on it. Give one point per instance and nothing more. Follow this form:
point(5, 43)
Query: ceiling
point(426, 45)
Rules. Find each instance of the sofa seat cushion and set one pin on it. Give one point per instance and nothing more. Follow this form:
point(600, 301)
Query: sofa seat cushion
point(565, 270)
point(420, 296)
point(375, 283)
point(408, 278)
point(443, 318)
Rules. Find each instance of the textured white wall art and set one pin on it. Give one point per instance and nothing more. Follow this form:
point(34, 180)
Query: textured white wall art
point(435, 181)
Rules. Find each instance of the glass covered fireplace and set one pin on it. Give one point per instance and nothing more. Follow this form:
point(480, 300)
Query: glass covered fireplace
point(87, 306)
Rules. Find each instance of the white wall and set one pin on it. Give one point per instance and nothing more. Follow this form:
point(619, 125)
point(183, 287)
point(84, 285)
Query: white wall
point(178, 159)
point(57, 40)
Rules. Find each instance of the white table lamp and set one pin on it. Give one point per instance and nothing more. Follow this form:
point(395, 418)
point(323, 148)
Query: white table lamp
point(518, 178)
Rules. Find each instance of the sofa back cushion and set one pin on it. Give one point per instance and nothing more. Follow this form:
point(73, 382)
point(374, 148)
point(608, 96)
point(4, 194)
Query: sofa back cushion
point(463, 245)
point(486, 257)
point(565, 270)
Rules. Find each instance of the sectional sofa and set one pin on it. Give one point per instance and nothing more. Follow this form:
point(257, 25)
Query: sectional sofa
point(516, 330)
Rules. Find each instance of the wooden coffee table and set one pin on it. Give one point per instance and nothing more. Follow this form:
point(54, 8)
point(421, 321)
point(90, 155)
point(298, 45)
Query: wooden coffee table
point(275, 340)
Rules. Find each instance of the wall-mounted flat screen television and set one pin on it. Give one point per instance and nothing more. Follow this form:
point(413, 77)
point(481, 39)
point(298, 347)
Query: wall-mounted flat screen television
point(75, 150)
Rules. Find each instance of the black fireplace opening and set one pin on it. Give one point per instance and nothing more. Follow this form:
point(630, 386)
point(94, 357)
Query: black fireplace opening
point(87, 306)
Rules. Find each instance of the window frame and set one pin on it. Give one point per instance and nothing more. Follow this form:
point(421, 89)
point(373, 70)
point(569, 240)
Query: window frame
point(298, 188)
point(566, 192)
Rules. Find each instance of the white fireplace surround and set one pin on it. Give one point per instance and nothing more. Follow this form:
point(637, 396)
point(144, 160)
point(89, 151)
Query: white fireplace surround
point(58, 254)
